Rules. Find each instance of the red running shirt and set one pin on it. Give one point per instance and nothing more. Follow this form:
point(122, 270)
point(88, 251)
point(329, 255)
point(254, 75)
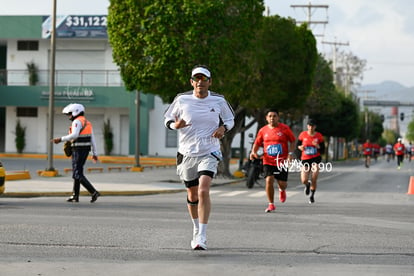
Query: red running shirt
point(309, 143)
point(399, 148)
point(367, 147)
point(275, 143)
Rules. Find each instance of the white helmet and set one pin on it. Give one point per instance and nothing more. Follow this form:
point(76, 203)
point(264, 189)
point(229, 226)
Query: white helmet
point(74, 109)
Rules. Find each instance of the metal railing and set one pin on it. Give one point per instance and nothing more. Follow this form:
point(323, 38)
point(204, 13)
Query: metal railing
point(63, 78)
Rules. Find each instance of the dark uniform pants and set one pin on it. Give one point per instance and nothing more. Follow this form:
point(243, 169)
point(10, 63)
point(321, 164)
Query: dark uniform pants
point(79, 157)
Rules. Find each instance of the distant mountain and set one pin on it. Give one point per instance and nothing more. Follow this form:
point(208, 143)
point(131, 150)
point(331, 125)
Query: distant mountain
point(390, 91)
point(387, 90)
point(385, 86)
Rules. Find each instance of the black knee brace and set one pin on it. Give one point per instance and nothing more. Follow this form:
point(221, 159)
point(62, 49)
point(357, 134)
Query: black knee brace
point(193, 203)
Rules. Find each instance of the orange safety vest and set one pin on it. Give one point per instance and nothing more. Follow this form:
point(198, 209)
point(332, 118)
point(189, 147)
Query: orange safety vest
point(84, 140)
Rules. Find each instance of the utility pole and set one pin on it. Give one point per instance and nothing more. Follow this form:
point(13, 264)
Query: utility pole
point(335, 45)
point(366, 110)
point(137, 167)
point(310, 11)
point(51, 109)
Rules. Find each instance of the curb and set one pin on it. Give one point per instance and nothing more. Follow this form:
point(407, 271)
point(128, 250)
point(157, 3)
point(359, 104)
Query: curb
point(17, 175)
point(104, 193)
point(107, 193)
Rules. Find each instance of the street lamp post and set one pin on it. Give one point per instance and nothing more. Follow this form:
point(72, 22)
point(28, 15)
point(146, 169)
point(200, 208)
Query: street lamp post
point(137, 130)
point(51, 89)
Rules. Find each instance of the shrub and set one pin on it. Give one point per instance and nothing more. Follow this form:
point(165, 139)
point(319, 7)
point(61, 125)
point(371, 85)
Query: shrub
point(20, 137)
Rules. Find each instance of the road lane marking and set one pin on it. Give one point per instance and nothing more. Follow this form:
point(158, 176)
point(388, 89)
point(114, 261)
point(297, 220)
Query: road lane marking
point(258, 194)
point(234, 193)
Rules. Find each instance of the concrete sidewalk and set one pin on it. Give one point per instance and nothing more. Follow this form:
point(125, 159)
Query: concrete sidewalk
point(153, 179)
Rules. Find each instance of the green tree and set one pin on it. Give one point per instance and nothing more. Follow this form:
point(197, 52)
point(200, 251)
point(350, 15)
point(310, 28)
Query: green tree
point(108, 137)
point(288, 56)
point(156, 43)
point(410, 131)
point(371, 126)
point(256, 61)
point(324, 96)
point(33, 72)
point(20, 139)
point(347, 117)
point(284, 62)
point(390, 136)
point(337, 114)
point(343, 122)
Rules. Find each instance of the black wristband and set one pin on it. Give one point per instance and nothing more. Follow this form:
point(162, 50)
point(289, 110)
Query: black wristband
point(169, 123)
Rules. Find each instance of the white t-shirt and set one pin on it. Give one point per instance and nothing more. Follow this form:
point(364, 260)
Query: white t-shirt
point(204, 116)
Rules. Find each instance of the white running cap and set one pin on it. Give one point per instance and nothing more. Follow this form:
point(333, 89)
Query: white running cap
point(201, 70)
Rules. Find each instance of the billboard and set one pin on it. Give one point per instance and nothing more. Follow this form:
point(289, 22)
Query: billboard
point(76, 26)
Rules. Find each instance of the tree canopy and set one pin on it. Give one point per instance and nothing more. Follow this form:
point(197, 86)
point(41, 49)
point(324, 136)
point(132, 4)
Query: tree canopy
point(344, 122)
point(390, 136)
point(288, 56)
point(410, 131)
point(324, 96)
point(371, 126)
point(156, 43)
point(257, 62)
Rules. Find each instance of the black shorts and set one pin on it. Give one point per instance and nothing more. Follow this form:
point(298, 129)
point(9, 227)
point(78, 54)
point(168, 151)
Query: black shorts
point(317, 160)
point(280, 173)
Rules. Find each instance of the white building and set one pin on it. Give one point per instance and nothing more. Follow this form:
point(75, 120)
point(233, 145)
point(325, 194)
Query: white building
point(84, 73)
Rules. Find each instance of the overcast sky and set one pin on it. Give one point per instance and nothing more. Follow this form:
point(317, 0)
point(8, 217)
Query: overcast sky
point(380, 31)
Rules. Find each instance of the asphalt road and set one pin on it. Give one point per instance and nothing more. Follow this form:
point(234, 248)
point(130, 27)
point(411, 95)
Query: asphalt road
point(361, 224)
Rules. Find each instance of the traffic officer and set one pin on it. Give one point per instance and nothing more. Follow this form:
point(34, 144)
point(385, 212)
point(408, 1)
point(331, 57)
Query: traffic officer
point(83, 141)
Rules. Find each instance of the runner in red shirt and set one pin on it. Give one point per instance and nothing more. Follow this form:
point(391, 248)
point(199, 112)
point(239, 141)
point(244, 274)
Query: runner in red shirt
point(367, 148)
point(277, 140)
point(399, 149)
point(311, 144)
point(376, 149)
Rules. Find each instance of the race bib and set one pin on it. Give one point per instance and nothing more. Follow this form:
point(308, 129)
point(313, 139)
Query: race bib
point(310, 150)
point(274, 150)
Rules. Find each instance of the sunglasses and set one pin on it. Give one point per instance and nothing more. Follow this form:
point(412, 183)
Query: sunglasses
point(200, 77)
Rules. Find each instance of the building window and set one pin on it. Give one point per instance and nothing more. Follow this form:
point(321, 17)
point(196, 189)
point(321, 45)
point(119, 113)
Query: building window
point(171, 138)
point(26, 112)
point(27, 45)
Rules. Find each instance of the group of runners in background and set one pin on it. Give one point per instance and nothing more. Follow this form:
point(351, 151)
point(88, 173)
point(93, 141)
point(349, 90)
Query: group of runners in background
point(399, 150)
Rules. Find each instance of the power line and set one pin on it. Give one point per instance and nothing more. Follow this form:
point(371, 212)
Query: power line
point(311, 9)
point(335, 45)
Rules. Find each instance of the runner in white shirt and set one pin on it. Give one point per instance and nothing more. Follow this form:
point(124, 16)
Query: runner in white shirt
point(388, 151)
point(409, 150)
point(202, 117)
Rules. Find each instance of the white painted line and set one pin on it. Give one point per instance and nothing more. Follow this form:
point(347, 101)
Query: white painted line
point(288, 194)
point(258, 194)
point(234, 193)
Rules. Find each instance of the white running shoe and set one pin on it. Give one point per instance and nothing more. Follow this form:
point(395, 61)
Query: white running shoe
point(194, 240)
point(199, 243)
point(193, 244)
